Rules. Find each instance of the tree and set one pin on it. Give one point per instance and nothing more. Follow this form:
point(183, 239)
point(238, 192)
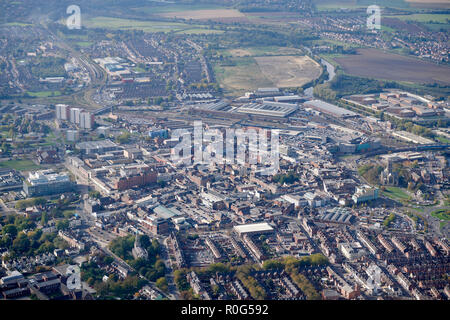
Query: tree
point(44, 218)
point(123, 138)
point(62, 224)
point(181, 282)
point(94, 194)
point(10, 229)
point(21, 244)
point(272, 264)
point(161, 283)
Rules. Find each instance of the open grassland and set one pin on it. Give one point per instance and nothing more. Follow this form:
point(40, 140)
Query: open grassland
point(17, 24)
point(419, 17)
point(276, 18)
point(400, 25)
point(19, 165)
point(84, 43)
point(261, 51)
point(44, 94)
point(289, 71)
point(332, 5)
point(248, 70)
point(199, 31)
point(168, 8)
point(432, 4)
point(194, 12)
point(373, 63)
point(145, 25)
point(204, 14)
point(395, 193)
point(442, 214)
point(410, 5)
point(241, 76)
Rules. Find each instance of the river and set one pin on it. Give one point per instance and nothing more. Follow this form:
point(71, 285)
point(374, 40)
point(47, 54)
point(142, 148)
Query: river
point(331, 73)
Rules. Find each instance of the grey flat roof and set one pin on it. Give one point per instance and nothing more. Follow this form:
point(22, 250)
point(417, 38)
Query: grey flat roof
point(268, 108)
point(96, 144)
point(331, 108)
point(253, 227)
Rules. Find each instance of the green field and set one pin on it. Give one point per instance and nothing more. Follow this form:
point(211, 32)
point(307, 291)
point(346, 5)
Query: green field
point(84, 43)
point(322, 42)
point(146, 26)
point(442, 214)
point(79, 37)
point(332, 5)
point(18, 24)
point(443, 139)
point(19, 165)
point(261, 51)
point(44, 94)
point(422, 17)
point(338, 5)
point(395, 193)
point(176, 8)
point(139, 70)
point(242, 75)
point(199, 31)
point(248, 68)
point(438, 26)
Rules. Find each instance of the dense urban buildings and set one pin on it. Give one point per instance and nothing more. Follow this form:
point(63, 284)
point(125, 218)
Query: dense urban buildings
point(241, 150)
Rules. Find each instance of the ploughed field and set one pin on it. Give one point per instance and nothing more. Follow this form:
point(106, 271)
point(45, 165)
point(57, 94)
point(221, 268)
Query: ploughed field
point(373, 63)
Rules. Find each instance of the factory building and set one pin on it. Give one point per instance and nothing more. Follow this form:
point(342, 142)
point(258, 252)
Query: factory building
point(253, 228)
point(267, 108)
point(330, 109)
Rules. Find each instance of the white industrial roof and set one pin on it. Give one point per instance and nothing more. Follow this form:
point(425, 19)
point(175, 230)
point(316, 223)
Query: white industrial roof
point(253, 227)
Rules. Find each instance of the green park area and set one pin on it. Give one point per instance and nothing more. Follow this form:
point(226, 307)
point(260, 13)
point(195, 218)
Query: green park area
point(240, 75)
point(44, 94)
point(421, 17)
point(177, 7)
point(19, 165)
point(145, 25)
point(442, 214)
point(395, 193)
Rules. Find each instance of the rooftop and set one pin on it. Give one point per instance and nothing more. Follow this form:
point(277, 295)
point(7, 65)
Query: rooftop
point(253, 228)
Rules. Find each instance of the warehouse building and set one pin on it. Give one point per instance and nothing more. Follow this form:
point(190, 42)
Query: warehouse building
point(222, 105)
point(253, 228)
point(267, 108)
point(330, 109)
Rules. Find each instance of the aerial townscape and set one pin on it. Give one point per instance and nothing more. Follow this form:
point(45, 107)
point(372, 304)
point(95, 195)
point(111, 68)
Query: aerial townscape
point(224, 150)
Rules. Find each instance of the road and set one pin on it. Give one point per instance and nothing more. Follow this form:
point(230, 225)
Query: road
point(434, 222)
point(96, 74)
point(125, 265)
point(173, 291)
point(5, 210)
